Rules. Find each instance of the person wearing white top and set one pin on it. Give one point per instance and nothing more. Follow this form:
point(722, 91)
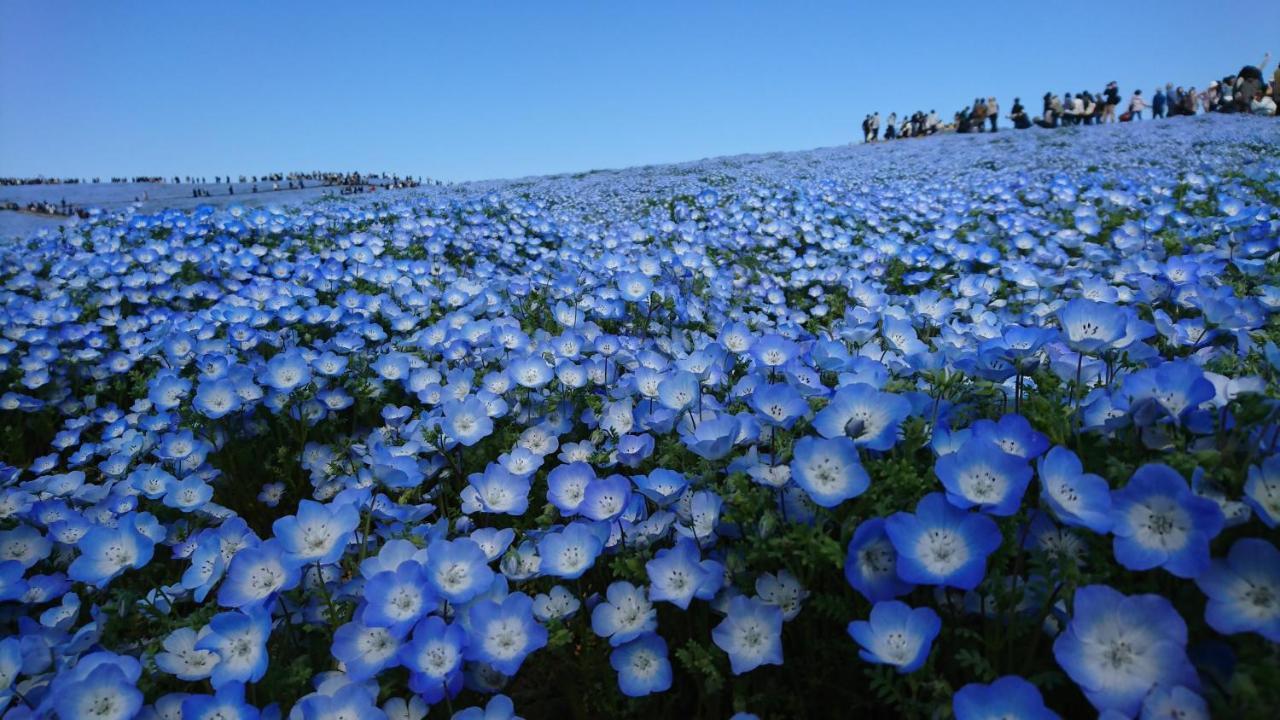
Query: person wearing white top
point(1136, 105)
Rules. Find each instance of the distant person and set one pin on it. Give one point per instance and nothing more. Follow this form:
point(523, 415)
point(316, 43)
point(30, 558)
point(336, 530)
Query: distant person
point(1112, 99)
point(993, 112)
point(1157, 104)
point(890, 126)
point(1189, 102)
point(1019, 115)
point(1262, 105)
point(1136, 105)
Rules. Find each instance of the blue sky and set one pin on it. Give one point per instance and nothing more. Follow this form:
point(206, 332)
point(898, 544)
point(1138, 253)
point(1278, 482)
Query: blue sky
point(504, 89)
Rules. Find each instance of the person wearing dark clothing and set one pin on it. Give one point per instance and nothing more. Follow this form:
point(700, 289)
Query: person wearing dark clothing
point(1157, 104)
point(1019, 115)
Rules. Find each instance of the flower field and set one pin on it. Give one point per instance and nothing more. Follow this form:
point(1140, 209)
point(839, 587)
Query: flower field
point(971, 426)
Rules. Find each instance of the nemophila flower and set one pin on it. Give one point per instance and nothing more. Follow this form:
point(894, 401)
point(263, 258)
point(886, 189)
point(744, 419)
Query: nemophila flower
point(1118, 647)
point(344, 703)
point(942, 545)
point(624, 614)
point(493, 541)
point(227, 703)
point(1173, 388)
point(555, 604)
point(604, 499)
point(285, 372)
point(1262, 490)
point(1244, 590)
point(188, 494)
point(867, 415)
point(783, 590)
point(779, 404)
point(365, 651)
point(712, 438)
point(499, 707)
point(317, 533)
point(896, 635)
point(570, 552)
point(181, 658)
point(1174, 703)
point(662, 486)
point(871, 563)
point(504, 634)
point(271, 494)
point(1089, 327)
point(772, 351)
point(751, 634)
point(458, 570)
point(828, 469)
point(701, 515)
point(255, 574)
point(679, 391)
point(497, 491)
point(1075, 497)
point(104, 693)
point(1014, 435)
point(567, 486)
point(676, 573)
point(530, 371)
point(434, 659)
point(216, 398)
point(107, 552)
point(981, 474)
point(24, 545)
point(467, 421)
point(396, 599)
point(642, 665)
point(1007, 698)
point(1158, 522)
point(240, 641)
point(167, 390)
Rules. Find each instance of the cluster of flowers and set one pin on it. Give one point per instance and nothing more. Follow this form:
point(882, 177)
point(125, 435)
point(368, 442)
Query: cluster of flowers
point(385, 458)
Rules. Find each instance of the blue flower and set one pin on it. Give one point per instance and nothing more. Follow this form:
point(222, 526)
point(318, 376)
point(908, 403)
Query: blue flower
point(642, 666)
point(712, 437)
point(1262, 490)
point(773, 351)
point(181, 658)
point(661, 485)
point(458, 570)
point(434, 659)
point(604, 499)
point(504, 634)
point(1175, 702)
point(871, 563)
point(1159, 522)
point(467, 421)
point(861, 412)
point(571, 552)
point(1090, 327)
point(365, 651)
point(216, 398)
point(751, 634)
point(676, 573)
point(1076, 498)
point(497, 491)
point(286, 371)
point(624, 614)
point(1007, 697)
point(317, 533)
point(256, 574)
point(107, 552)
point(1014, 435)
point(941, 544)
point(828, 470)
point(102, 692)
point(227, 703)
point(779, 404)
point(1118, 647)
point(896, 634)
point(1244, 590)
point(982, 474)
point(240, 641)
point(397, 598)
point(1173, 388)
point(567, 486)
point(500, 707)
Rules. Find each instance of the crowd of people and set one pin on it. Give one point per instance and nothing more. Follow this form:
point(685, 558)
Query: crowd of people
point(1246, 91)
point(61, 209)
point(291, 180)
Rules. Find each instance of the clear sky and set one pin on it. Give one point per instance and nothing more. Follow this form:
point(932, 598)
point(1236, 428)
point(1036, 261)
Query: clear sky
point(486, 89)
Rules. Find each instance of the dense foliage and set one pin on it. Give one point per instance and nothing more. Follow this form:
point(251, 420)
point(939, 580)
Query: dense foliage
point(984, 426)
